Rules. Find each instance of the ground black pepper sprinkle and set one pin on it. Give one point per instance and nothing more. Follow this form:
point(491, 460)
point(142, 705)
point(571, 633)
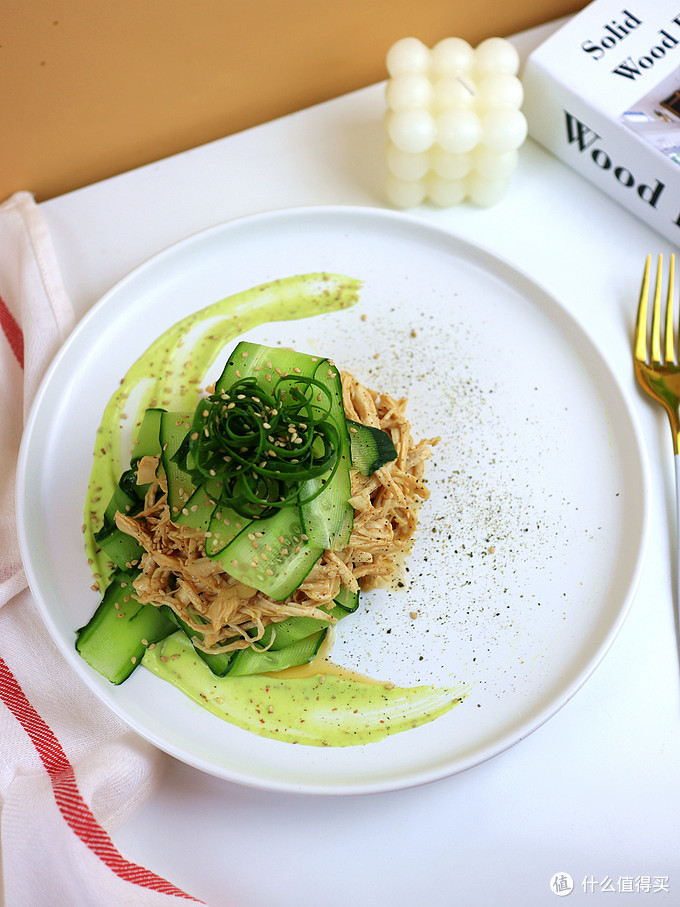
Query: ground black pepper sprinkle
point(490, 523)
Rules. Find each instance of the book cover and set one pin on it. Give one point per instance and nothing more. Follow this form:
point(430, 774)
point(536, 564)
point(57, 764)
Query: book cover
point(603, 94)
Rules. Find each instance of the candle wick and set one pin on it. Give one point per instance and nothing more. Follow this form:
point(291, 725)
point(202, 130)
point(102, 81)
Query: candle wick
point(467, 85)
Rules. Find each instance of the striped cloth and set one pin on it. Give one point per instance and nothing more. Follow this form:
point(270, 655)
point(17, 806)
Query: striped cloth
point(70, 771)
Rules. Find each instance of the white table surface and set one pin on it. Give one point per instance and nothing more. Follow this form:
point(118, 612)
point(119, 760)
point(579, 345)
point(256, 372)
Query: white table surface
point(594, 792)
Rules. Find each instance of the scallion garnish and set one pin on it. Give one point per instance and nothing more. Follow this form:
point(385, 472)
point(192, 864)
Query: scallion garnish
point(262, 446)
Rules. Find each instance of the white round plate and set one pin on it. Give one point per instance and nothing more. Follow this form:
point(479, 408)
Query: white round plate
point(528, 552)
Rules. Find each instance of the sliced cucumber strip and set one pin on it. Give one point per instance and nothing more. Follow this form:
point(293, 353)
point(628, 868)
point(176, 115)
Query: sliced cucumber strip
point(120, 630)
point(292, 629)
point(198, 510)
point(271, 555)
point(225, 524)
point(347, 599)
point(122, 549)
point(329, 518)
point(174, 427)
point(126, 498)
point(370, 447)
point(248, 661)
point(218, 663)
point(264, 363)
point(148, 442)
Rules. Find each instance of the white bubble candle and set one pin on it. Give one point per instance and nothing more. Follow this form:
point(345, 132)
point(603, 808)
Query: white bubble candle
point(453, 123)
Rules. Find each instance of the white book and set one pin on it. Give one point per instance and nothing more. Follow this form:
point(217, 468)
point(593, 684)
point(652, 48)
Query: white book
point(603, 94)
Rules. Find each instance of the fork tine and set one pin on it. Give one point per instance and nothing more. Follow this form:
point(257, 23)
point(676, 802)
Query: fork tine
point(669, 330)
point(641, 321)
point(656, 316)
point(659, 379)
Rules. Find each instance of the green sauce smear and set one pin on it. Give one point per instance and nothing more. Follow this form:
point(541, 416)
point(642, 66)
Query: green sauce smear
point(322, 710)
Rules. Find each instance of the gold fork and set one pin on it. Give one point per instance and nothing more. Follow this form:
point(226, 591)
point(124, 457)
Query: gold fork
point(659, 373)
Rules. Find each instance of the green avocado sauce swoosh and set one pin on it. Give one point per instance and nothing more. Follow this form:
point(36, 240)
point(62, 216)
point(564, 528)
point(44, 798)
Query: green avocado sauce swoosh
point(320, 710)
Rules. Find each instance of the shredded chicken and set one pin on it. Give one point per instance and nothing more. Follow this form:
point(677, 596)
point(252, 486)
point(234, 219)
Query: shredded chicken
point(175, 570)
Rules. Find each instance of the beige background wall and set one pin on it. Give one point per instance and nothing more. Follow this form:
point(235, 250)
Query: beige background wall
point(91, 88)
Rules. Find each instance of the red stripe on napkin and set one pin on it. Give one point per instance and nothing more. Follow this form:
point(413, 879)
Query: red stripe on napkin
point(69, 800)
point(12, 331)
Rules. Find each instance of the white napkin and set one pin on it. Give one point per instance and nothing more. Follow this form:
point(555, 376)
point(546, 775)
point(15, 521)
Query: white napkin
point(70, 771)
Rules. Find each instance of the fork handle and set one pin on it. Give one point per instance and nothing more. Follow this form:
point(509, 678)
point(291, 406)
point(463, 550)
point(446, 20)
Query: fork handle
point(677, 529)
